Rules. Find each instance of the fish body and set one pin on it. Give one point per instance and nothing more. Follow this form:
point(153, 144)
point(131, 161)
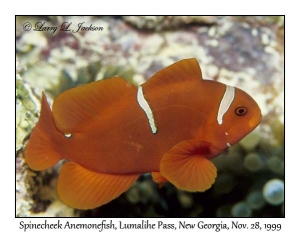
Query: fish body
point(111, 131)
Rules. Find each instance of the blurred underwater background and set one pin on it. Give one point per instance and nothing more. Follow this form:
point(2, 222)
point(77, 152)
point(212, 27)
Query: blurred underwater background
point(242, 51)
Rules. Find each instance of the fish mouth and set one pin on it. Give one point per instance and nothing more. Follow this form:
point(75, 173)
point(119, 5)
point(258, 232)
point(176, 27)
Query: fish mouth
point(255, 121)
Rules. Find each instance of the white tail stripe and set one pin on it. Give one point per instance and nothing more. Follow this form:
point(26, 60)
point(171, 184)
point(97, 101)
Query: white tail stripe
point(226, 101)
point(145, 106)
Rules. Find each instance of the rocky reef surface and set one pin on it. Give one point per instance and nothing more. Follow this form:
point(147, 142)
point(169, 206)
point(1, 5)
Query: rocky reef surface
point(247, 52)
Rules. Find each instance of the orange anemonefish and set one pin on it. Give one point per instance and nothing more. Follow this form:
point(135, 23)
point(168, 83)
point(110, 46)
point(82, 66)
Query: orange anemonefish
point(111, 132)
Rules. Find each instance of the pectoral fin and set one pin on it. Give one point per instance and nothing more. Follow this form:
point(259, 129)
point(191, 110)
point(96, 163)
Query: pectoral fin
point(187, 167)
point(84, 189)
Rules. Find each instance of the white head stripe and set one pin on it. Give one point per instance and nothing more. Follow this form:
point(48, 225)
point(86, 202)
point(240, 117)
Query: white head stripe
point(68, 135)
point(226, 101)
point(228, 144)
point(145, 106)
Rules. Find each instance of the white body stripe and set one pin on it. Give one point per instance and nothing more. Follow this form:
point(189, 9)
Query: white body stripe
point(226, 101)
point(145, 106)
point(228, 144)
point(68, 135)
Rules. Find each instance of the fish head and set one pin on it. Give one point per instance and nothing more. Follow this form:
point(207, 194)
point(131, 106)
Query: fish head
point(243, 116)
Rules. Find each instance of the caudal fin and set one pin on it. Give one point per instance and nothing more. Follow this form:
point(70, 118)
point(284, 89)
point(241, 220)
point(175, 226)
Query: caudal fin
point(40, 153)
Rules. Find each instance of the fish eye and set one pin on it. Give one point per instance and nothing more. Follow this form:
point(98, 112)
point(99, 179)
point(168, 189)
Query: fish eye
point(240, 111)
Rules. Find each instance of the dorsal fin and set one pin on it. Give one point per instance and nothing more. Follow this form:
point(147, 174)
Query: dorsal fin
point(76, 107)
point(184, 70)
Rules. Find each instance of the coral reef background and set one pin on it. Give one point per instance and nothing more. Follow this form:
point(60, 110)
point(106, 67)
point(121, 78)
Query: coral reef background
point(247, 52)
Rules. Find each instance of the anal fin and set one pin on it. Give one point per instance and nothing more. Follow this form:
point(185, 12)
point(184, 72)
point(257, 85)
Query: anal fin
point(84, 189)
point(187, 167)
